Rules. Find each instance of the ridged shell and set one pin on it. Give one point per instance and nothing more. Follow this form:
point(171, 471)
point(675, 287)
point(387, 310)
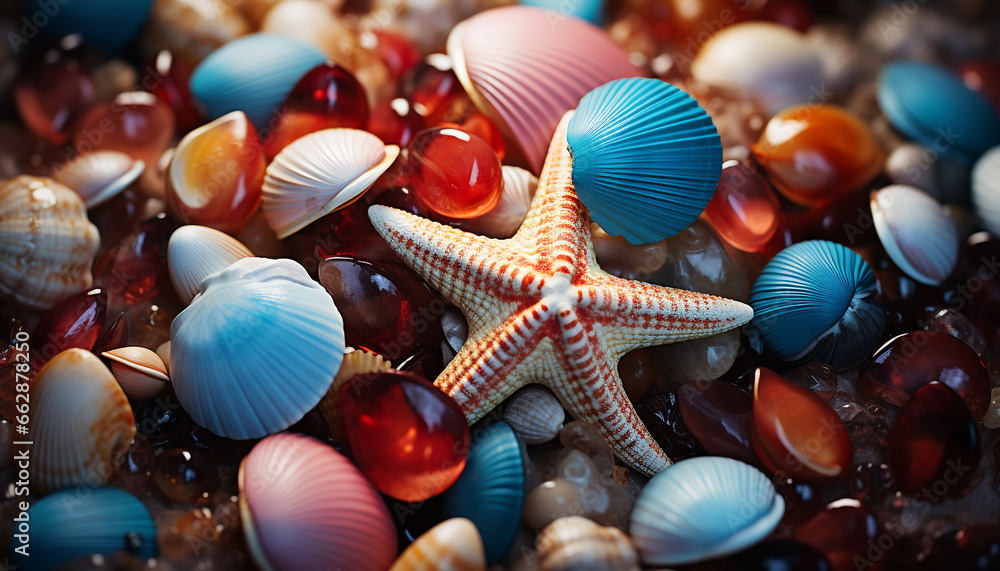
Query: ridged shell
point(356, 362)
point(81, 422)
point(108, 24)
point(507, 216)
point(256, 350)
point(194, 252)
point(99, 176)
point(575, 543)
point(163, 352)
point(305, 506)
point(452, 545)
point(815, 301)
point(252, 74)
point(916, 232)
point(73, 523)
point(319, 173)
point(535, 414)
point(646, 158)
point(524, 67)
point(140, 372)
point(986, 190)
point(702, 508)
point(47, 245)
point(490, 491)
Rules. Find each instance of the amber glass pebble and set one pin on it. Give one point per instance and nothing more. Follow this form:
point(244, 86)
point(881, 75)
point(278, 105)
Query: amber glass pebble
point(167, 77)
point(454, 174)
point(136, 123)
point(744, 209)
point(720, 416)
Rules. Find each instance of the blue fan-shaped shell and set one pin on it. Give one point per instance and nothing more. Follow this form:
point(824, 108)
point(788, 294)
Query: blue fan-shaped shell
point(590, 10)
point(646, 158)
point(490, 491)
point(252, 74)
point(108, 24)
point(815, 300)
point(84, 521)
point(933, 107)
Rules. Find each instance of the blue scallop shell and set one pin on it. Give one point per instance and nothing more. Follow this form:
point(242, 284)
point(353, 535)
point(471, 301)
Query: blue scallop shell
point(590, 10)
point(83, 521)
point(490, 491)
point(252, 74)
point(646, 158)
point(816, 301)
point(933, 107)
point(108, 24)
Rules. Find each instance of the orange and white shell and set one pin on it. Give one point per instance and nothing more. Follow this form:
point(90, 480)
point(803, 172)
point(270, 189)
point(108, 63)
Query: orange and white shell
point(140, 371)
point(575, 542)
point(452, 545)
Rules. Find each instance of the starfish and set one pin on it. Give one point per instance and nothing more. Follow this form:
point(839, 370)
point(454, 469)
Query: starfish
point(540, 310)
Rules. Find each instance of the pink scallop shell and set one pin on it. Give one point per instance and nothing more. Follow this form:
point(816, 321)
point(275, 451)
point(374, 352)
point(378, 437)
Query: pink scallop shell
point(306, 506)
point(525, 67)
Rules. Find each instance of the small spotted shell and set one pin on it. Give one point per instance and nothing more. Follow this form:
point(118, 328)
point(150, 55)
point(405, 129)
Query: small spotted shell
point(452, 545)
point(575, 543)
point(140, 371)
point(535, 414)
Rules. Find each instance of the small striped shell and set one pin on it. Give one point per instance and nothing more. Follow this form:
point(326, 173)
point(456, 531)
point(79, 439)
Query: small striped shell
point(986, 190)
point(535, 414)
point(140, 371)
point(47, 245)
point(80, 420)
point(452, 545)
point(575, 543)
point(99, 176)
point(319, 173)
point(305, 506)
point(916, 232)
point(356, 362)
point(194, 252)
point(703, 508)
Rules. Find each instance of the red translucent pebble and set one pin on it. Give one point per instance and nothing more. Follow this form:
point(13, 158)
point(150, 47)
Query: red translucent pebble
point(348, 232)
point(378, 312)
point(796, 433)
point(167, 77)
point(396, 52)
point(983, 76)
point(744, 209)
point(326, 97)
point(135, 269)
point(136, 123)
point(51, 97)
point(843, 532)
point(407, 436)
point(908, 362)
point(478, 124)
point(933, 444)
point(720, 416)
point(395, 122)
point(74, 323)
point(454, 174)
point(114, 336)
point(435, 92)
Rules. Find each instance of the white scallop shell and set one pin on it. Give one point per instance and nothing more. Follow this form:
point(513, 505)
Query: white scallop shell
point(319, 173)
point(507, 216)
point(986, 190)
point(194, 252)
point(535, 414)
point(140, 371)
point(702, 508)
point(99, 176)
point(916, 232)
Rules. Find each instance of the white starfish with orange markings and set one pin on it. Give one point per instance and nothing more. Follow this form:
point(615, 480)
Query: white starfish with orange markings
point(540, 310)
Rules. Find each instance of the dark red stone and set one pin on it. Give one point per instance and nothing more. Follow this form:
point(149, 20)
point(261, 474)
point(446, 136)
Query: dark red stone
point(118, 216)
point(744, 209)
point(792, 13)
point(720, 416)
point(982, 76)
point(872, 484)
point(396, 51)
point(842, 533)
point(778, 555)
point(910, 361)
point(395, 122)
point(136, 123)
point(186, 475)
point(167, 77)
point(802, 502)
point(135, 269)
point(51, 97)
point(435, 92)
point(407, 436)
point(660, 412)
point(75, 322)
point(113, 336)
point(972, 548)
point(933, 445)
point(454, 174)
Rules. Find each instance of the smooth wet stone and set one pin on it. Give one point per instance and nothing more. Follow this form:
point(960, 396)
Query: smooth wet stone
point(661, 413)
point(134, 269)
point(744, 209)
point(720, 416)
point(75, 322)
point(454, 174)
point(51, 98)
point(952, 322)
point(819, 378)
point(842, 532)
point(583, 436)
point(186, 475)
point(136, 123)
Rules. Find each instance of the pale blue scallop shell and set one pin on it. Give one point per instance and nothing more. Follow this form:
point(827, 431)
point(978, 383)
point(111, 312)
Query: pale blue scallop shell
point(816, 301)
point(256, 350)
point(252, 74)
point(702, 508)
point(108, 24)
point(490, 491)
point(81, 521)
point(646, 158)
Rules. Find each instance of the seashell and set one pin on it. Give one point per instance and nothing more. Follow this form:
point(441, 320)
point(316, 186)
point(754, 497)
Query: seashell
point(452, 545)
point(932, 106)
point(313, 22)
point(252, 74)
point(163, 352)
point(916, 232)
point(986, 190)
point(520, 69)
point(356, 362)
point(108, 24)
point(99, 176)
point(575, 543)
point(256, 350)
point(815, 301)
point(319, 173)
point(771, 64)
point(507, 216)
point(305, 506)
point(73, 523)
point(646, 158)
point(47, 245)
point(140, 371)
point(535, 414)
point(81, 422)
point(194, 252)
point(703, 508)
point(490, 491)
